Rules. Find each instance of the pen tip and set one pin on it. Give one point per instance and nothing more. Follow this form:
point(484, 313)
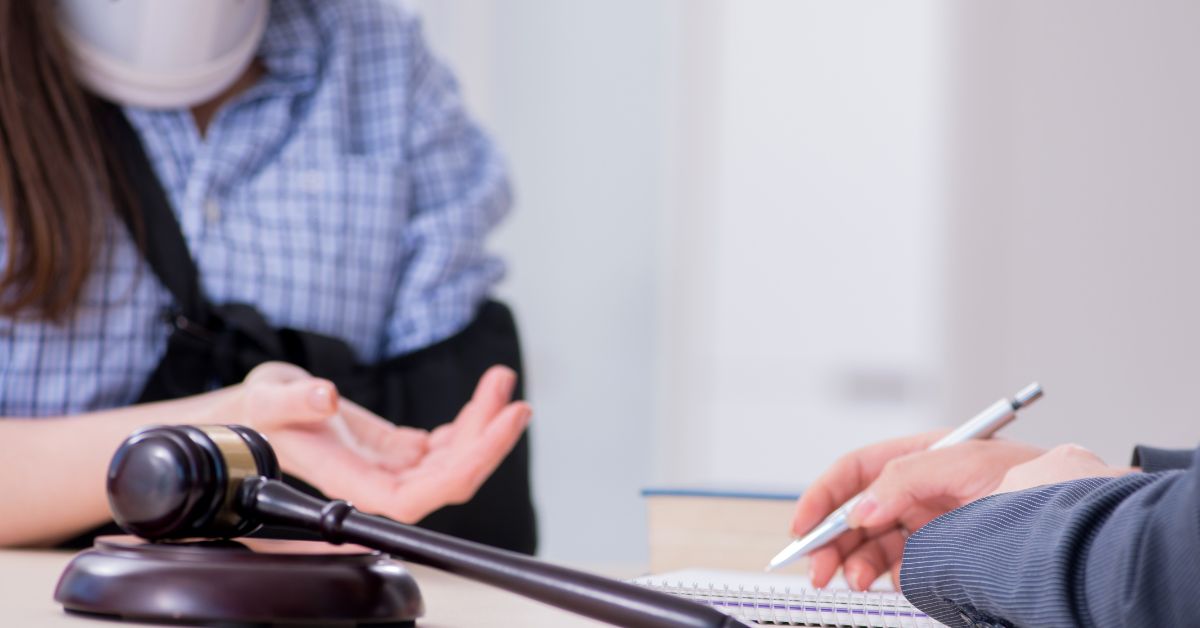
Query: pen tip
point(1027, 395)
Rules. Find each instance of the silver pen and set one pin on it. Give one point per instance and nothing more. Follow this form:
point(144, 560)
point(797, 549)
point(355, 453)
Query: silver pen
point(983, 425)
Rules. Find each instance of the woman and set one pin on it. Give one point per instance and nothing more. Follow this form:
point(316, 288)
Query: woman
point(323, 175)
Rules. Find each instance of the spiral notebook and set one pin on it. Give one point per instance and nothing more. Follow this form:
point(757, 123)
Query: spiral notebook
point(789, 600)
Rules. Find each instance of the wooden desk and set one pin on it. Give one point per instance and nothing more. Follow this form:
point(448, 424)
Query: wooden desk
point(27, 580)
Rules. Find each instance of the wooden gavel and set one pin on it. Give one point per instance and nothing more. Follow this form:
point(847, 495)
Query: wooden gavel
point(223, 481)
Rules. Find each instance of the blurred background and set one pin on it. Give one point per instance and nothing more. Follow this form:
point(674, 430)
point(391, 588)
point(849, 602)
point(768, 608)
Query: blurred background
point(750, 236)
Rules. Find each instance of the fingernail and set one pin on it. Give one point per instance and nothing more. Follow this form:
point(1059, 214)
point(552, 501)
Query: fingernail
point(852, 577)
point(863, 510)
point(508, 383)
point(320, 398)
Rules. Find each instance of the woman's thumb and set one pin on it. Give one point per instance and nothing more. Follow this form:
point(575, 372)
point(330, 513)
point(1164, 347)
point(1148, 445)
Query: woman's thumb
point(301, 401)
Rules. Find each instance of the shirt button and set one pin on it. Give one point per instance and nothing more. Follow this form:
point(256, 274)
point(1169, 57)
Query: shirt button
point(212, 211)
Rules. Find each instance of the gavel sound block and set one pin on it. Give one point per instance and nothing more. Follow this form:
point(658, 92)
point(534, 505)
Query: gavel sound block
point(251, 581)
point(220, 482)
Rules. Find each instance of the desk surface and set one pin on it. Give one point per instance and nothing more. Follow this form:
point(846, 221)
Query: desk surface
point(27, 580)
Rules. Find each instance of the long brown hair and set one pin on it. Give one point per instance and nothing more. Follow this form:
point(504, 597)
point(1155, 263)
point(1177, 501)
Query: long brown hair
point(55, 193)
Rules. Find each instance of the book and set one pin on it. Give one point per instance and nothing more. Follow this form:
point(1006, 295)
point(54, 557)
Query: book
point(720, 529)
point(790, 600)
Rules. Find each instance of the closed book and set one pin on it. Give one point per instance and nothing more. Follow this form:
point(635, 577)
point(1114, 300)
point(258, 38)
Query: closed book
point(718, 528)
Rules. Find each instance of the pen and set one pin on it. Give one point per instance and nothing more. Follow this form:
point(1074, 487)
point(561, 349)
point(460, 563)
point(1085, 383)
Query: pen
point(982, 425)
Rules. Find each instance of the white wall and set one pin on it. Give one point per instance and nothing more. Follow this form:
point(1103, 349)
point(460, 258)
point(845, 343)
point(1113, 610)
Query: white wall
point(724, 247)
point(1075, 216)
point(750, 235)
point(812, 321)
point(575, 93)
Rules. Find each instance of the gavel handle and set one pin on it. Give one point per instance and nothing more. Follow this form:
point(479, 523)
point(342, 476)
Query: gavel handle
point(603, 599)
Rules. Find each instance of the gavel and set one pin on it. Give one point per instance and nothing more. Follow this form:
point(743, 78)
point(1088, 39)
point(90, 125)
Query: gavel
point(221, 482)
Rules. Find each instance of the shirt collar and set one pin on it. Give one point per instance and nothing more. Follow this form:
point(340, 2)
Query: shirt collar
point(292, 47)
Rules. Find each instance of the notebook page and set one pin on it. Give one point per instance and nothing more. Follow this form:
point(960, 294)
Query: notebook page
point(790, 600)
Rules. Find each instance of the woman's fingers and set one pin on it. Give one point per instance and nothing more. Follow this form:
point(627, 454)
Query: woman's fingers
point(462, 465)
point(453, 475)
point(494, 391)
point(271, 404)
point(276, 372)
point(402, 472)
point(395, 447)
point(500, 436)
point(441, 435)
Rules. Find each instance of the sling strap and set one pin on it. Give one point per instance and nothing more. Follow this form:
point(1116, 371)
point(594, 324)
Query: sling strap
point(211, 345)
point(216, 345)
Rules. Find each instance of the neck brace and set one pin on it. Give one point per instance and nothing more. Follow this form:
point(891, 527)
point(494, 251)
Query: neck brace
point(161, 54)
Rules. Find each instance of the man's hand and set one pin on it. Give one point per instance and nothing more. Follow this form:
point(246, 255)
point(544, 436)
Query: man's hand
point(350, 453)
point(1061, 464)
point(907, 486)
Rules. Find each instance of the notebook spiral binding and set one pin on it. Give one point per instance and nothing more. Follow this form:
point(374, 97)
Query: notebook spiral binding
point(806, 607)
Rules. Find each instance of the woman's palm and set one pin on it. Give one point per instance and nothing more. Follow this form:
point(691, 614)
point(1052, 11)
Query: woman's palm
point(401, 472)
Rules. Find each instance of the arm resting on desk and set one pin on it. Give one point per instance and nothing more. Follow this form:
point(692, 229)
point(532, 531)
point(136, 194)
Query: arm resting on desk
point(52, 469)
point(1092, 552)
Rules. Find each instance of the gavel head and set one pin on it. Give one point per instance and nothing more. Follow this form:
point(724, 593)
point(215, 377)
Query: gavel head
point(185, 481)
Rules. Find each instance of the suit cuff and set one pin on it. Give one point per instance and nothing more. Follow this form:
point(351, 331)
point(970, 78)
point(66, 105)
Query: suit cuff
point(1152, 460)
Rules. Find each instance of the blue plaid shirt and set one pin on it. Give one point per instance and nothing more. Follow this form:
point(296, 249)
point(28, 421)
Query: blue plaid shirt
point(346, 193)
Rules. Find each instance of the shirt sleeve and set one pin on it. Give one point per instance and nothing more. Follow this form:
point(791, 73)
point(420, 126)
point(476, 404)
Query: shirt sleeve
point(1152, 460)
point(1093, 552)
point(459, 192)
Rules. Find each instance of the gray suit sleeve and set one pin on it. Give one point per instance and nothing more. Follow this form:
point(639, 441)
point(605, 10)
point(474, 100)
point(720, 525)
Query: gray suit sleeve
point(1094, 552)
point(1152, 459)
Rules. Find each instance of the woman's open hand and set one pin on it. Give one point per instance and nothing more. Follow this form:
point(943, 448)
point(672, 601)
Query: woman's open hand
point(350, 453)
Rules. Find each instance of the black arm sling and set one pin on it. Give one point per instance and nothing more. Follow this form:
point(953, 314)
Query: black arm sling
point(217, 345)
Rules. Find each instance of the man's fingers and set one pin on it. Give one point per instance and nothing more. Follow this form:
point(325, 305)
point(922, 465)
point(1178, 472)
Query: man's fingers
point(824, 562)
point(943, 478)
point(822, 565)
point(906, 480)
point(836, 485)
point(849, 476)
point(873, 558)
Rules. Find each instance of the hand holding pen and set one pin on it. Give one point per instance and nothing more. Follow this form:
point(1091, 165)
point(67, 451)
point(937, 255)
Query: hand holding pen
point(859, 512)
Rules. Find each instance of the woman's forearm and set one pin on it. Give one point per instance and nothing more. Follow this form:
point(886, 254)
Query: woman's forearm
point(52, 470)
